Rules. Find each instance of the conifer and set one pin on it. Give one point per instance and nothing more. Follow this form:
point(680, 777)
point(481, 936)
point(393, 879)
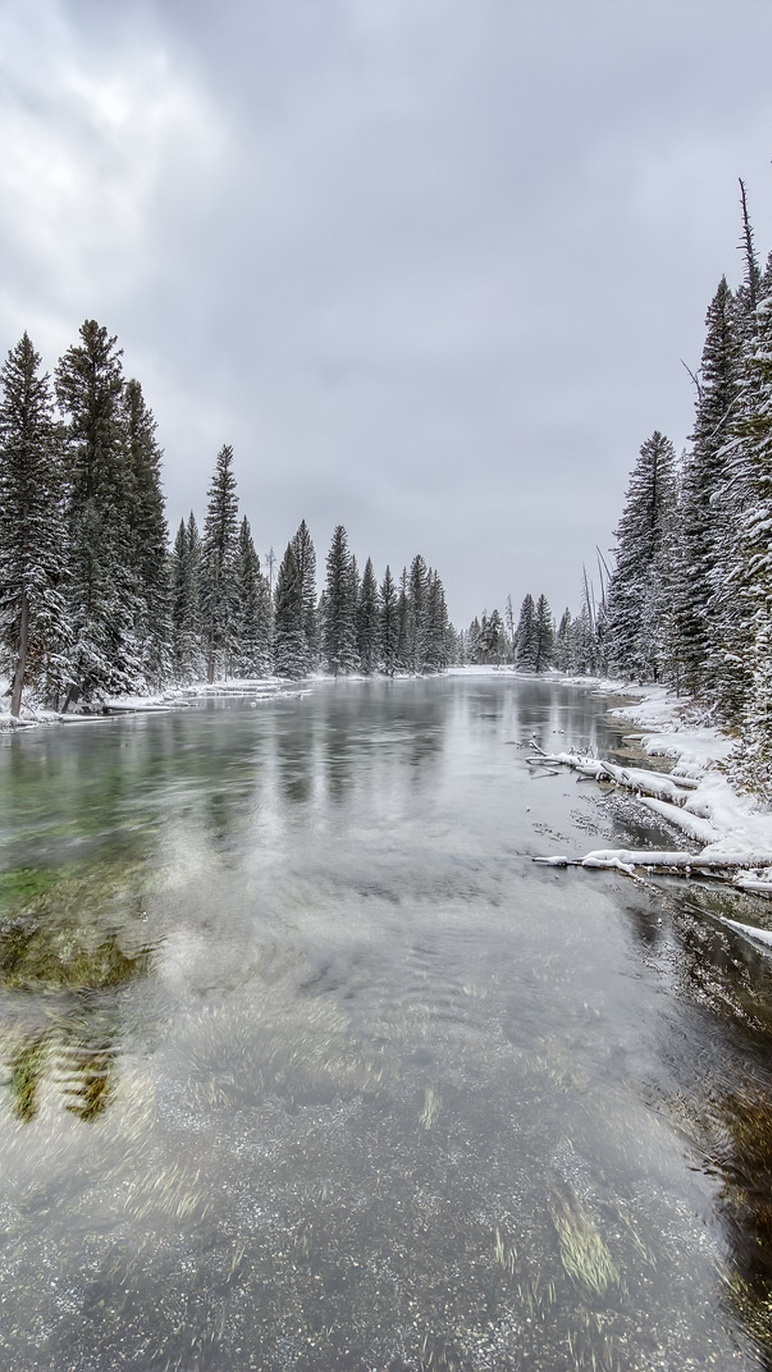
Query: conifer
point(33, 621)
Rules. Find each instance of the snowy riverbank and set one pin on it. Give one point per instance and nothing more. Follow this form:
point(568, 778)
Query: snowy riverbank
point(724, 827)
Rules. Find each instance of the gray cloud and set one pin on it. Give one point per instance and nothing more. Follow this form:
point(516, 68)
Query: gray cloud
point(431, 268)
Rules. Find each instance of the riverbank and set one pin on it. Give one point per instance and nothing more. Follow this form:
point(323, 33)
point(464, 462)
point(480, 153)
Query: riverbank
point(717, 817)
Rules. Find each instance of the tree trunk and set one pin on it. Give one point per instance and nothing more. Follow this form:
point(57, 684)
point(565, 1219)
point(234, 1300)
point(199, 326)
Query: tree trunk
point(21, 665)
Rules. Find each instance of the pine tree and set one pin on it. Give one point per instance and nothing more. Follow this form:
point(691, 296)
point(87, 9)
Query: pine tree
point(636, 604)
point(509, 620)
point(305, 558)
point(148, 535)
point(33, 627)
point(748, 295)
point(492, 646)
point(252, 655)
point(526, 636)
point(704, 478)
point(190, 638)
point(290, 645)
point(417, 615)
point(755, 763)
point(438, 634)
point(740, 671)
point(472, 647)
point(367, 622)
point(544, 635)
point(218, 556)
point(340, 626)
point(185, 618)
point(563, 655)
point(101, 586)
point(403, 623)
point(388, 624)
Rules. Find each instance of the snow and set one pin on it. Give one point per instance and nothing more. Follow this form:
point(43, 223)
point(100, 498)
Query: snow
point(698, 829)
point(716, 813)
point(731, 829)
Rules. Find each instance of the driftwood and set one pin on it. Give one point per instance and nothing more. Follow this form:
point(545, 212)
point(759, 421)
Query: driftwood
point(742, 871)
point(663, 861)
point(666, 796)
point(658, 785)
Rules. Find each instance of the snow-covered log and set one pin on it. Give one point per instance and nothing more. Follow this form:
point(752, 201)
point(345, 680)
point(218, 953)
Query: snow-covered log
point(677, 860)
point(701, 830)
point(743, 871)
point(656, 785)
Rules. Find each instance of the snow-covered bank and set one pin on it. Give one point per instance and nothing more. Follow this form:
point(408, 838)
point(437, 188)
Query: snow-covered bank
point(709, 809)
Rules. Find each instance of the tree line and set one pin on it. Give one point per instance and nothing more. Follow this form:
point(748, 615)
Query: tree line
point(688, 601)
point(93, 600)
point(492, 640)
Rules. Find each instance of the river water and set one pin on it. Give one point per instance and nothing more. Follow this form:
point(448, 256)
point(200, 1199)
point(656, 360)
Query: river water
point(307, 1065)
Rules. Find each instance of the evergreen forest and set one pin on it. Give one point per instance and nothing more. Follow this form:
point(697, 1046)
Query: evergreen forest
point(688, 598)
point(94, 602)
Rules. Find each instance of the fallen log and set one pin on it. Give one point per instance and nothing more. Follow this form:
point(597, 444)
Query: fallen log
point(658, 785)
point(742, 871)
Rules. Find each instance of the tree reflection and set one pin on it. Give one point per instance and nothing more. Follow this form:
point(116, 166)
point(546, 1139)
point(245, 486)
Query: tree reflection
point(295, 748)
point(27, 1064)
point(81, 1065)
point(77, 939)
point(723, 1100)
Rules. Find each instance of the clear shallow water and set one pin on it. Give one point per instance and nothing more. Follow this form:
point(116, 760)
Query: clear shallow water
point(308, 1066)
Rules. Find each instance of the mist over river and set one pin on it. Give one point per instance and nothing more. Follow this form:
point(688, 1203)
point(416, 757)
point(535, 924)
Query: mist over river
point(307, 1065)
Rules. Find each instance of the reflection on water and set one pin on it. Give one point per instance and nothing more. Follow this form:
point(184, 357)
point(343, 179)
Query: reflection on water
point(308, 1066)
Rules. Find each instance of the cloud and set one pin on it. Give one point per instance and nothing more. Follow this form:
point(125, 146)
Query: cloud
point(430, 267)
point(91, 138)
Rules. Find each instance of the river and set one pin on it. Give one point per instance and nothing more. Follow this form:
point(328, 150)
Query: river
point(307, 1065)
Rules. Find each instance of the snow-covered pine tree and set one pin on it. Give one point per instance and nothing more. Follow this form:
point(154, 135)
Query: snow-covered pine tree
point(388, 629)
point(218, 557)
point(755, 763)
point(185, 619)
point(509, 621)
point(472, 641)
point(750, 577)
point(33, 622)
point(637, 606)
point(583, 648)
point(417, 615)
point(403, 623)
point(305, 557)
point(741, 575)
point(339, 627)
point(148, 535)
point(748, 295)
point(252, 653)
point(526, 636)
point(368, 622)
point(290, 645)
point(544, 635)
point(494, 641)
point(563, 655)
point(102, 588)
point(439, 636)
point(705, 475)
point(195, 662)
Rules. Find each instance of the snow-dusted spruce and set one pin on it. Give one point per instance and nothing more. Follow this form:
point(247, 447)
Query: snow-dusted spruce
point(33, 615)
point(639, 592)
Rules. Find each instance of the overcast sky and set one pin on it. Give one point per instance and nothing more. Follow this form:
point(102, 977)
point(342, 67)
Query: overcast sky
point(431, 266)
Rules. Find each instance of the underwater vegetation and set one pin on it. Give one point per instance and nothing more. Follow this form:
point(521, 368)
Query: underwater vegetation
point(63, 933)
